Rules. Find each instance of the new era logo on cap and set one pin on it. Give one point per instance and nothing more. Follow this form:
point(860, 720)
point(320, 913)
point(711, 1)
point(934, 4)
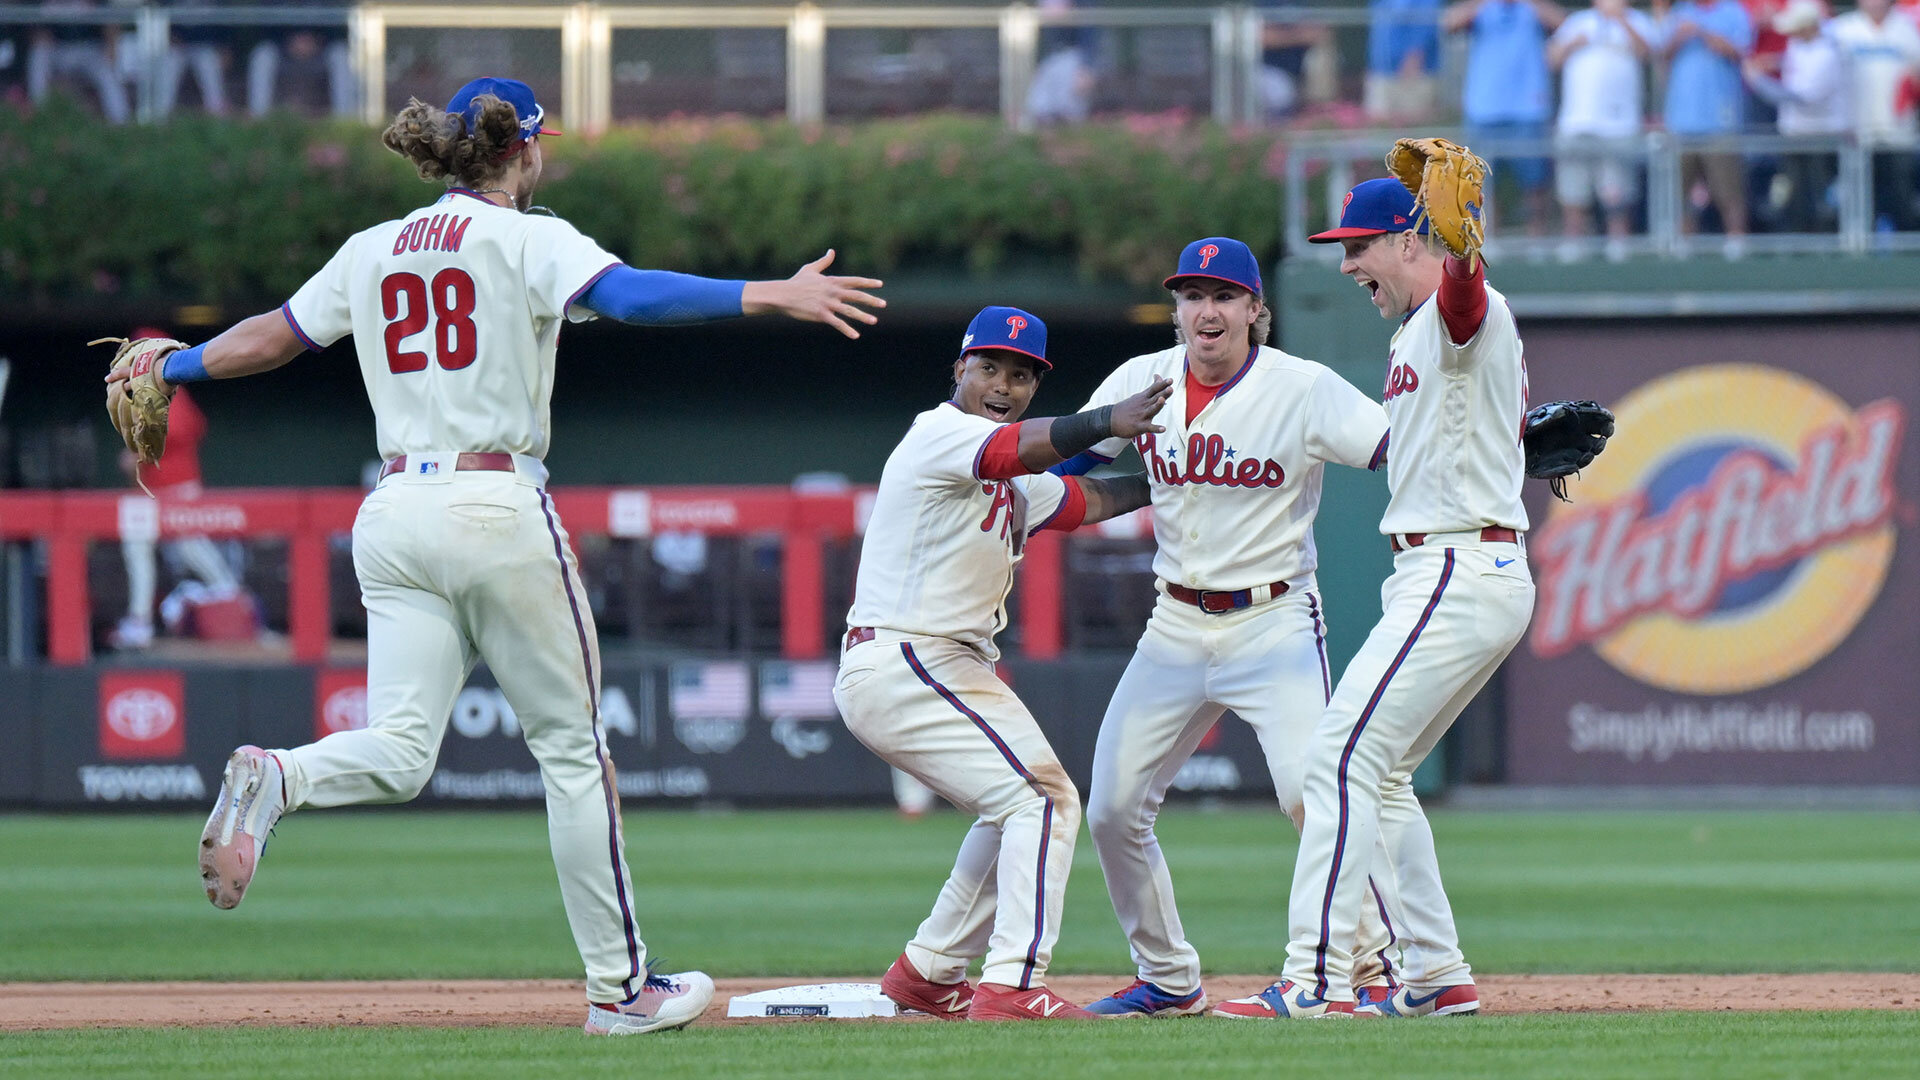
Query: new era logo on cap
point(1220, 258)
point(1008, 328)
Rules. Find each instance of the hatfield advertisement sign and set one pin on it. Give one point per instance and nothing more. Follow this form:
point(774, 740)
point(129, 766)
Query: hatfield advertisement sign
point(1727, 600)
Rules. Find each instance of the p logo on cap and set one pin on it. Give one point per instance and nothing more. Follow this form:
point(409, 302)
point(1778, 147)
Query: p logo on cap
point(1220, 258)
point(1008, 328)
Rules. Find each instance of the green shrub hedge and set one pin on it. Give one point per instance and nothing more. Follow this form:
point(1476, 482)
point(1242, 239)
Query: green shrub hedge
point(220, 211)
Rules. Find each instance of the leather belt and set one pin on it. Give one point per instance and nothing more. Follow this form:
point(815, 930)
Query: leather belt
point(1214, 603)
point(462, 463)
point(1498, 534)
point(859, 634)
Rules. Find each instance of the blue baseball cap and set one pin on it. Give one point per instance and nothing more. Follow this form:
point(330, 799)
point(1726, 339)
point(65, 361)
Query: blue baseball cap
point(1374, 207)
point(513, 92)
point(1220, 258)
point(1008, 328)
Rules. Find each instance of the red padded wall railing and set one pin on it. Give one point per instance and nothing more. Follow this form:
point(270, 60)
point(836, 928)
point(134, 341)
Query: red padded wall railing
point(307, 517)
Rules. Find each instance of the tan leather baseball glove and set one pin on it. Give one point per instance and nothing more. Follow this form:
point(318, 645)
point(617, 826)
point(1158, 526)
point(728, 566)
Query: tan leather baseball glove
point(138, 405)
point(1446, 179)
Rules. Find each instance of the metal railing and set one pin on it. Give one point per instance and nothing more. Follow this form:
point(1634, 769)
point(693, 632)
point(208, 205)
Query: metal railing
point(1321, 168)
point(585, 32)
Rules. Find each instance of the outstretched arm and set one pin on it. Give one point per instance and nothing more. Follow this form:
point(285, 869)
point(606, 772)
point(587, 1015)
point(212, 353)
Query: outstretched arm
point(1032, 446)
point(664, 298)
point(248, 347)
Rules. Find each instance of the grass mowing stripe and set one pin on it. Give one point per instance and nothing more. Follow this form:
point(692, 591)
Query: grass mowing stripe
point(1741, 1046)
point(408, 894)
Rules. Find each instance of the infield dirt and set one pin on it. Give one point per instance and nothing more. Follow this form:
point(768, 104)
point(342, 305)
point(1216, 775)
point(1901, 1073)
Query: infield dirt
point(498, 1003)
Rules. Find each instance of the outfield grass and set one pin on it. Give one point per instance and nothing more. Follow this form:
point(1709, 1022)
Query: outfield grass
point(407, 894)
point(1744, 1046)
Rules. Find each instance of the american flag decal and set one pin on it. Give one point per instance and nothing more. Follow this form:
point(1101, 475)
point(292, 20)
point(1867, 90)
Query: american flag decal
point(799, 689)
point(710, 691)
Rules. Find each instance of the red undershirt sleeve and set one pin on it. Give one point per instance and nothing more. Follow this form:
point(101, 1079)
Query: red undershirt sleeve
point(1463, 299)
point(999, 457)
point(1072, 511)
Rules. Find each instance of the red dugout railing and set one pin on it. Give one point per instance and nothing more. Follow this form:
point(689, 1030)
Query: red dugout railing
point(306, 517)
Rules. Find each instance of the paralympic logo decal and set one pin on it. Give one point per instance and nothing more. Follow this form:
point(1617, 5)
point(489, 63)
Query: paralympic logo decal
point(1737, 529)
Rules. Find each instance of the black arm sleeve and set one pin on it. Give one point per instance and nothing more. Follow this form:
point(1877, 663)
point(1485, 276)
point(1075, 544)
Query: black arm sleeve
point(1071, 435)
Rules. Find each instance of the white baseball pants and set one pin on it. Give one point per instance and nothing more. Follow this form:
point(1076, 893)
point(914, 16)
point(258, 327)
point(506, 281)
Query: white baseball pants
point(1268, 664)
point(935, 709)
point(460, 566)
point(1450, 615)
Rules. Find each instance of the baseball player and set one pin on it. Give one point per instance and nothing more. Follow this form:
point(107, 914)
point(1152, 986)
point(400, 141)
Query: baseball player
point(1239, 622)
point(958, 499)
point(455, 310)
point(1457, 601)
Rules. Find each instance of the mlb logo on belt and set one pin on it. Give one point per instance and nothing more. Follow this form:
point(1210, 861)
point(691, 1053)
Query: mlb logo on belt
point(429, 468)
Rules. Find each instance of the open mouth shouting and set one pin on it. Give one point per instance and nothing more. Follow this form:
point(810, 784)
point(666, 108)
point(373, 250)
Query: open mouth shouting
point(1210, 334)
point(997, 408)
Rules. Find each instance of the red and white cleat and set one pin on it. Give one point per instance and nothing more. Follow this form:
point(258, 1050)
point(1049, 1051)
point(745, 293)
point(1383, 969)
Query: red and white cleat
point(1461, 1000)
point(253, 795)
point(910, 990)
point(664, 1002)
point(992, 1001)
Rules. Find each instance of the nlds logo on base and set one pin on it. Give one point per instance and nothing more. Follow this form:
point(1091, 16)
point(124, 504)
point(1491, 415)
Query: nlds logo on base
point(1735, 532)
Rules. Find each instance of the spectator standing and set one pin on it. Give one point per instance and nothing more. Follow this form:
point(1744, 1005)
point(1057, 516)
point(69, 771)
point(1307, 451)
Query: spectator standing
point(81, 49)
point(177, 476)
point(1705, 43)
point(1063, 83)
point(1601, 54)
point(1403, 57)
point(308, 68)
point(203, 50)
point(1811, 94)
point(1284, 48)
point(1507, 94)
point(1883, 52)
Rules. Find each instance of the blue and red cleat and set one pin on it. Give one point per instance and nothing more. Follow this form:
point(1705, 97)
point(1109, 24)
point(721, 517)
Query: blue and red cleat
point(1284, 1000)
point(1462, 1000)
point(1145, 999)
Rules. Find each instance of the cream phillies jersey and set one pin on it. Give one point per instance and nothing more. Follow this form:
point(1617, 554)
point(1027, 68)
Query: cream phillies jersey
point(942, 543)
point(1234, 494)
point(1457, 411)
point(455, 310)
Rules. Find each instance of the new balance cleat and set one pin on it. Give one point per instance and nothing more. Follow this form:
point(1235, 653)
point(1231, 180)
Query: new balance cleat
point(253, 795)
point(1284, 1001)
point(1462, 1000)
point(994, 1002)
point(664, 1002)
point(1145, 999)
point(911, 990)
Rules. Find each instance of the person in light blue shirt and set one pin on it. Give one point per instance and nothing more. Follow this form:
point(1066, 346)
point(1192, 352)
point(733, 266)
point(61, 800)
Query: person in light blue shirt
point(1508, 92)
point(1403, 55)
point(1705, 42)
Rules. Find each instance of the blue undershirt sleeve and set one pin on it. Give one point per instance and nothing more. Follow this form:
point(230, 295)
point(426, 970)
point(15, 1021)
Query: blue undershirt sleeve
point(1080, 464)
point(662, 297)
point(185, 365)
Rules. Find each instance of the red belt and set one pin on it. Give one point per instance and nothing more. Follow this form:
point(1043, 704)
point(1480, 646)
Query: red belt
point(859, 634)
point(1499, 534)
point(462, 463)
point(1216, 602)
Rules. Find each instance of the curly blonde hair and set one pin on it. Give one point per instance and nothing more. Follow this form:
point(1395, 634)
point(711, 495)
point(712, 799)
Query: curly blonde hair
point(440, 145)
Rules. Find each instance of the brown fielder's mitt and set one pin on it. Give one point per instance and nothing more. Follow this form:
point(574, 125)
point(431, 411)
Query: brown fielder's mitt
point(1445, 179)
point(138, 406)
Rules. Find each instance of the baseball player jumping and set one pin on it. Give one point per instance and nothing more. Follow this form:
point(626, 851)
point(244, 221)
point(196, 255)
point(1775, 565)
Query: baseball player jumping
point(455, 310)
point(1239, 622)
point(958, 499)
point(1458, 600)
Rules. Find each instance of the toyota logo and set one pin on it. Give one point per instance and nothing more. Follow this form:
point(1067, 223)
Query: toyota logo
point(141, 714)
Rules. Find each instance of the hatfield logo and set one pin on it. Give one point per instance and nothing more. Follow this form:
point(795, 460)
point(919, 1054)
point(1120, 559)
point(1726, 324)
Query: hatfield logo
point(142, 715)
point(1734, 533)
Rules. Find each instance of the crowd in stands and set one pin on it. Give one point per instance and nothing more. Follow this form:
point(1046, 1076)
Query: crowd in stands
point(303, 68)
point(1588, 82)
